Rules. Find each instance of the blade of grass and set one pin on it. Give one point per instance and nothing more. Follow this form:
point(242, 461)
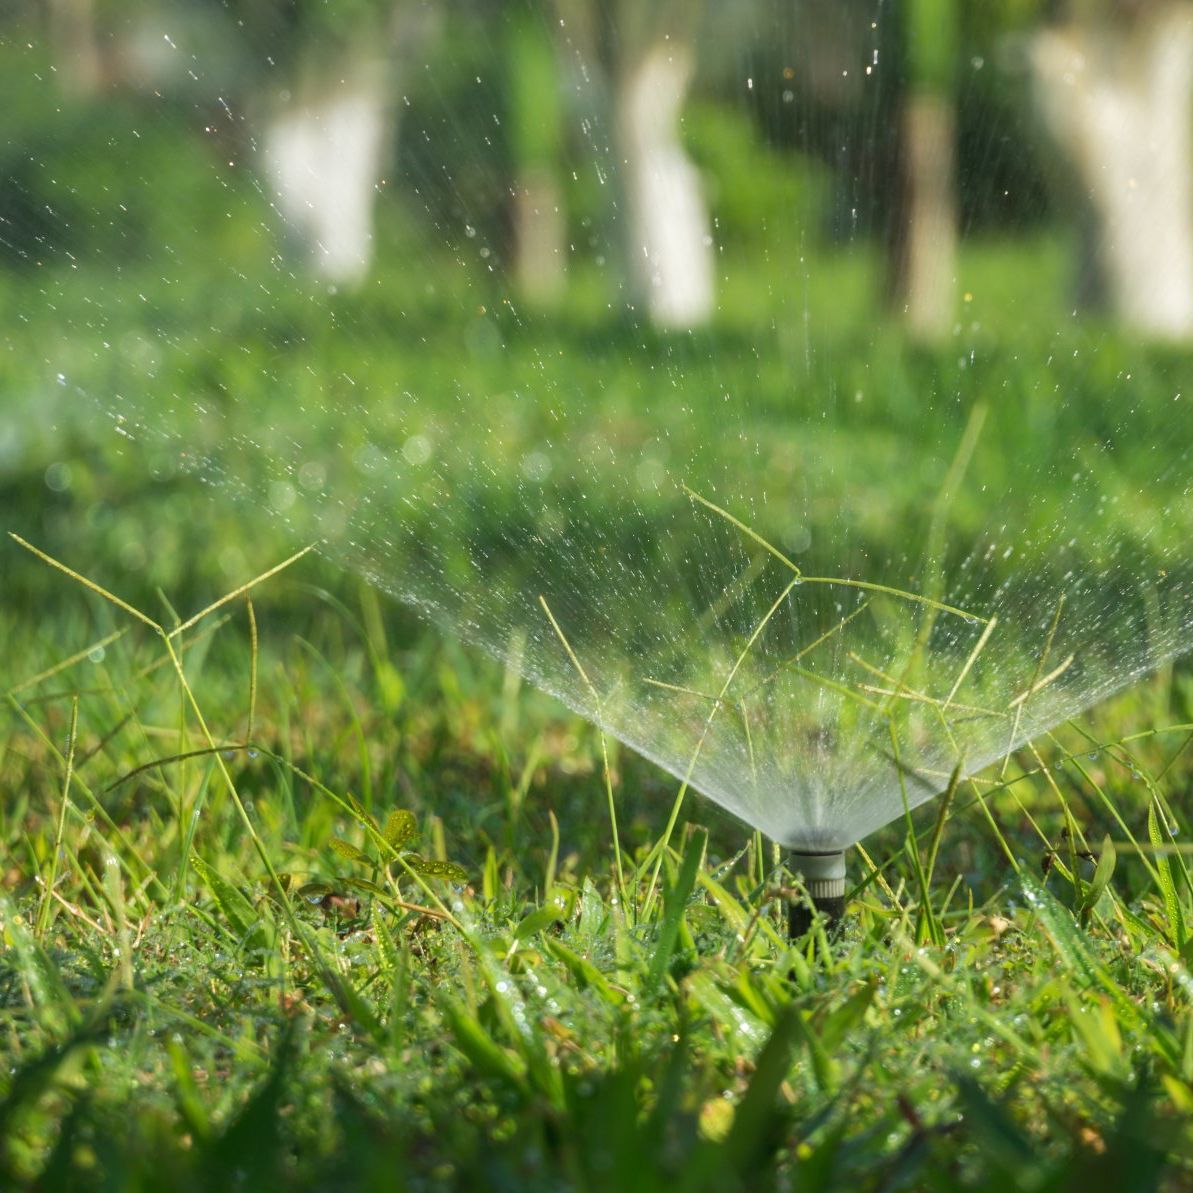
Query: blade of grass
point(50, 879)
point(608, 773)
point(840, 581)
point(1172, 904)
point(806, 650)
point(243, 590)
point(102, 644)
point(1021, 705)
point(942, 815)
point(683, 787)
point(253, 658)
point(1043, 682)
point(978, 647)
point(927, 915)
point(674, 903)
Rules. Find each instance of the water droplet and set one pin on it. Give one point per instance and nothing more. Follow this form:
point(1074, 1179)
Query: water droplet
point(417, 449)
point(58, 477)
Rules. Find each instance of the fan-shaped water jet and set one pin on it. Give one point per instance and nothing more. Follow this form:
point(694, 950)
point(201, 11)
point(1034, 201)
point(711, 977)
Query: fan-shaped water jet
point(797, 563)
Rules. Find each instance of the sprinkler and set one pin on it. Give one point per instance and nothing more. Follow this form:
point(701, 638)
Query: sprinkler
point(823, 876)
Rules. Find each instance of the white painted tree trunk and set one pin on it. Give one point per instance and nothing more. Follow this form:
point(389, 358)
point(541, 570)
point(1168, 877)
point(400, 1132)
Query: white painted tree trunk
point(323, 148)
point(669, 238)
point(1118, 98)
point(926, 240)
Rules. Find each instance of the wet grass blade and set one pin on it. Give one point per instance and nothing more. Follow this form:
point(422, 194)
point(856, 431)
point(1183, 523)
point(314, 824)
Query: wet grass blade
point(482, 1050)
point(755, 1114)
point(1172, 904)
point(234, 905)
point(674, 902)
point(1098, 885)
point(1073, 950)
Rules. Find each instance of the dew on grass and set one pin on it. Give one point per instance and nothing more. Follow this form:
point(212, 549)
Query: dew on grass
point(490, 376)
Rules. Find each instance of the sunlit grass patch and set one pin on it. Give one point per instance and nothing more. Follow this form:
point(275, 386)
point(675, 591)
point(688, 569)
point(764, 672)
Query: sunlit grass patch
point(165, 1019)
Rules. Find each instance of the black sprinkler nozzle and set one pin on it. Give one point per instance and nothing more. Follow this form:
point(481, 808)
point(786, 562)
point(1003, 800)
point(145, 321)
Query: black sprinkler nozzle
point(823, 877)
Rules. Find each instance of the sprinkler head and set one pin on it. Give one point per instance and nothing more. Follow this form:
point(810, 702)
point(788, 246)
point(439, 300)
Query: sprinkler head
point(823, 874)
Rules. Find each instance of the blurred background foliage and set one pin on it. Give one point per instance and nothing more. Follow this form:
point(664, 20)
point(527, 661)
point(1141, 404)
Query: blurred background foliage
point(863, 218)
point(867, 203)
point(109, 68)
point(483, 90)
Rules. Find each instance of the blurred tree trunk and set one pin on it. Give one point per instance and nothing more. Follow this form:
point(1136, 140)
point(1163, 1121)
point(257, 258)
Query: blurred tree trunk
point(670, 257)
point(637, 58)
point(535, 121)
point(925, 264)
point(327, 136)
point(1116, 92)
point(540, 236)
point(323, 146)
point(924, 236)
point(72, 38)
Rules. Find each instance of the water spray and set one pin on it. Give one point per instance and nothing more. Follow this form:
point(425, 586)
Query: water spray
point(727, 589)
point(823, 877)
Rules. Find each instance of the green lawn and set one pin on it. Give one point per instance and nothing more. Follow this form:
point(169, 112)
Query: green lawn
point(200, 1002)
point(200, 989)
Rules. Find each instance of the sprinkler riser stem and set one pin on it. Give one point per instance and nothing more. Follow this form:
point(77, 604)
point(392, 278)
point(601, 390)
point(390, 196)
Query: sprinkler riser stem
point(823, 876)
